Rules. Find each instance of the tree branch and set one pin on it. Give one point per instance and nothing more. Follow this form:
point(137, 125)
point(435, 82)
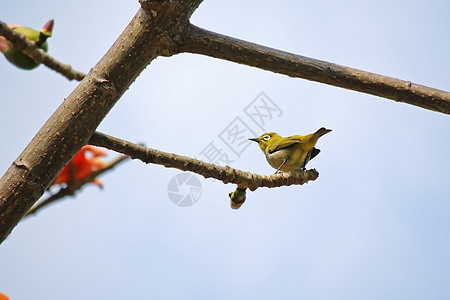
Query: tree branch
point(75, 185)
point(20, 42)
point(161, 27)
point(225, 174)
point(201, 41)
point(72, 124)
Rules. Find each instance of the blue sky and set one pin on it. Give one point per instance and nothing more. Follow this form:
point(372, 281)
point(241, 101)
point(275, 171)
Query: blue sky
point(373, 225)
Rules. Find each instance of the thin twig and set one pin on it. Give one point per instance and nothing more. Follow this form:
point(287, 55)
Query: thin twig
point(74, 185)
point(201, 41)
point(20, 42)
point(225, 174)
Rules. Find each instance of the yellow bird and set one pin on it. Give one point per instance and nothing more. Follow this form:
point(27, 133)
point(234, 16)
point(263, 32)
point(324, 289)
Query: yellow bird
point(290, 153)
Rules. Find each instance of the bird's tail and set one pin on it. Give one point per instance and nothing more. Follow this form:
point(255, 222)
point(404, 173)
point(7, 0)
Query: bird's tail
point(322, 131)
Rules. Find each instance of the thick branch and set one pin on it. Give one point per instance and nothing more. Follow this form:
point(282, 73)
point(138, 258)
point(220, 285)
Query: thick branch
point(225, 174)
point(20, 42)
point(201, 41)
point(71, 126)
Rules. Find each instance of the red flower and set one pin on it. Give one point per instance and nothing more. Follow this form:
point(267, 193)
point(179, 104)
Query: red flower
point(84, 163)
point(3, 297)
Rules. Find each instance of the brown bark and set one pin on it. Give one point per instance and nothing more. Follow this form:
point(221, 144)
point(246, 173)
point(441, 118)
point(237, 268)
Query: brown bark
point(162, 27)
point(73, 123)
point(225, 174)
point(201, 41)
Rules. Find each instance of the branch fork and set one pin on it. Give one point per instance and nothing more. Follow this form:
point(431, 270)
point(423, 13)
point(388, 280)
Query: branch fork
point(161, 27)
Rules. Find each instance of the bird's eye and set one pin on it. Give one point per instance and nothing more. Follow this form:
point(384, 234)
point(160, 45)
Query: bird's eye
point(266, 137)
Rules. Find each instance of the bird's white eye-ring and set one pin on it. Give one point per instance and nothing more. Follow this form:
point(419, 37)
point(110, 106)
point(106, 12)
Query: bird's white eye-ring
point(266, 137)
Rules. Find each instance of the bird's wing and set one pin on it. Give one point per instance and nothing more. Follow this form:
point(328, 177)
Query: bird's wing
point(285, 142)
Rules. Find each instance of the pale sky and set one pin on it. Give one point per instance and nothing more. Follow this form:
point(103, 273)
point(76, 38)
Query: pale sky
point(374, 225)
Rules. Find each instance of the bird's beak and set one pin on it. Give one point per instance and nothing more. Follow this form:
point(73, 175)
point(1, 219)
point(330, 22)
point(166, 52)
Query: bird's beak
point(255, 140)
